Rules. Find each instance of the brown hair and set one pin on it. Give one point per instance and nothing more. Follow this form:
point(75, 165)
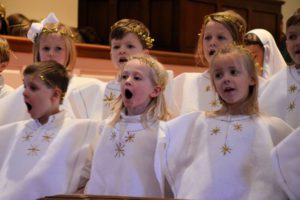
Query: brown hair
point(4, 51)
point(233, 22)
point(52, 73)
point(125, 26)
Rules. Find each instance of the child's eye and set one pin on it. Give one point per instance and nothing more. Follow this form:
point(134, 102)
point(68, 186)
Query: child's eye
point(124, 77)
point(137, 78)
point(116, 47)
point(218, 75)
point(292, 37)
point(130, 46)
point(221, 37)
point(234, 72)
point(33, 88)
point(46, 48)
point(208, 37)
point(58, 48)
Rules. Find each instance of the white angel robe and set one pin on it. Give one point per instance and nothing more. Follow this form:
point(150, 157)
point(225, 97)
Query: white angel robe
point(38, 160)
point(13, 108)
point(226, 157)
point(281, 96)
point(4, 88)
point(286, 162)
point(195, 92)
point(273, 60)
point(123, 162)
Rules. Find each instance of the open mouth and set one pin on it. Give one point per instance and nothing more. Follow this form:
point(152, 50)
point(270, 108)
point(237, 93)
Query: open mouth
point(29, 106)
point(228, 89)
point(211, 52)
point(128, 94)
point(123, 60)
point(297, 51)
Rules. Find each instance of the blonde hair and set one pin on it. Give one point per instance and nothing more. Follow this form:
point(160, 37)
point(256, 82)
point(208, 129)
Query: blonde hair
point(157, 108)
point(125, 26)
point(66, 33)
point(4, 51)
point(242, 57)
point(232, 21)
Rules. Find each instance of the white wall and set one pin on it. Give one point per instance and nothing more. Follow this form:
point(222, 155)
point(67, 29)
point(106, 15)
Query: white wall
point(288, 9)
point(65, 10)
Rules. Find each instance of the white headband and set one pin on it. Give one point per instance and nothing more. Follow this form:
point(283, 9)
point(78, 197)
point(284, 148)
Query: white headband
point(36, 28)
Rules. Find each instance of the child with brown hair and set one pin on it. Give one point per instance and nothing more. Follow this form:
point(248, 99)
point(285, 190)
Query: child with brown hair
point(123, 163)
point(4, 60)
point(223, 154)
point(44, 155)
point(218, 29)
point(281, 97)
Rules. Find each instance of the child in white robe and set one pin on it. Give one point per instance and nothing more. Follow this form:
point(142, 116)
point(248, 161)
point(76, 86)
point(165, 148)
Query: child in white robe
point(53, 41)
point(127, 37)
point(4, 60)
point(223, 154)
point(123, 162)
point(45, 155)
point(263, 47)
point(281, 97)
point(218, 29)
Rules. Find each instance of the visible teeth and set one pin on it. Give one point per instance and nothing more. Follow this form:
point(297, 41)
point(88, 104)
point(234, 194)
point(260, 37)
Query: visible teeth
point(29, 106)
point(128, 94)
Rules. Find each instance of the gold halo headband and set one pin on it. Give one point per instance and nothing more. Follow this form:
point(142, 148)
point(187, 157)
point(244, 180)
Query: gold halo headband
point(227, 18)
point(143, 35)
point(55, 30)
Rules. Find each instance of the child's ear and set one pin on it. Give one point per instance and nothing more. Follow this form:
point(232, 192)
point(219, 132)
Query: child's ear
point(146, 51)
point(3, 65)
point(252, 82)
point(156, 91)
point(56, 94)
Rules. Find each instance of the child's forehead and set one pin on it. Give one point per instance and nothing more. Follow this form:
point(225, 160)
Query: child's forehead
point(128, 37)
point(33, 78)
point(293, 28)
point(136, 65)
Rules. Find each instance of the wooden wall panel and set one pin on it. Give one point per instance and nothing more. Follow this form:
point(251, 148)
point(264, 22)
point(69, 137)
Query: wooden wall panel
point(175, 24)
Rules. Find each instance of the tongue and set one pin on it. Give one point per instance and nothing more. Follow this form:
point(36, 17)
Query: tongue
point(128, 94)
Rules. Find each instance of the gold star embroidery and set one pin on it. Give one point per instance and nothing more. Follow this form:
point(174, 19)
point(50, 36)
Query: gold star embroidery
point(293, 88)
point(292, 106)
point(113, 135)
point(207, 88)
point(215, 131)
point(225, 149)
point(108, 99)
point(238, 127)
point(214, 103)
point(33, 150)
point(27, 137)
point(129, 137)
point(119, 150)
point(47, 137)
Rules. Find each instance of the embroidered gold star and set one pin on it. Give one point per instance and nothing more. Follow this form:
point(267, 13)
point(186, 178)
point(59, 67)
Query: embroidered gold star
point(119, 150)
point(214, 103)
point(113, 135)
point(27, 137)
point(47, 137)
point(108, 99)
point(129, 137)
point(293, 88)
point(238, 127)
point(225, 149)
point(215, 131)
point(33, 150)
point(207, 88)
point(292, 106)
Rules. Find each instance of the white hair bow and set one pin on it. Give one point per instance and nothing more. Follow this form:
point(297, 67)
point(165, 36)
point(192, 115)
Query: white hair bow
point(36, 28)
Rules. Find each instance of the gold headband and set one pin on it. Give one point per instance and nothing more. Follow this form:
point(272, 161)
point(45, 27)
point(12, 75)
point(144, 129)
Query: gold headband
point(134, 28)
point(55, 30)
point(226, 18)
